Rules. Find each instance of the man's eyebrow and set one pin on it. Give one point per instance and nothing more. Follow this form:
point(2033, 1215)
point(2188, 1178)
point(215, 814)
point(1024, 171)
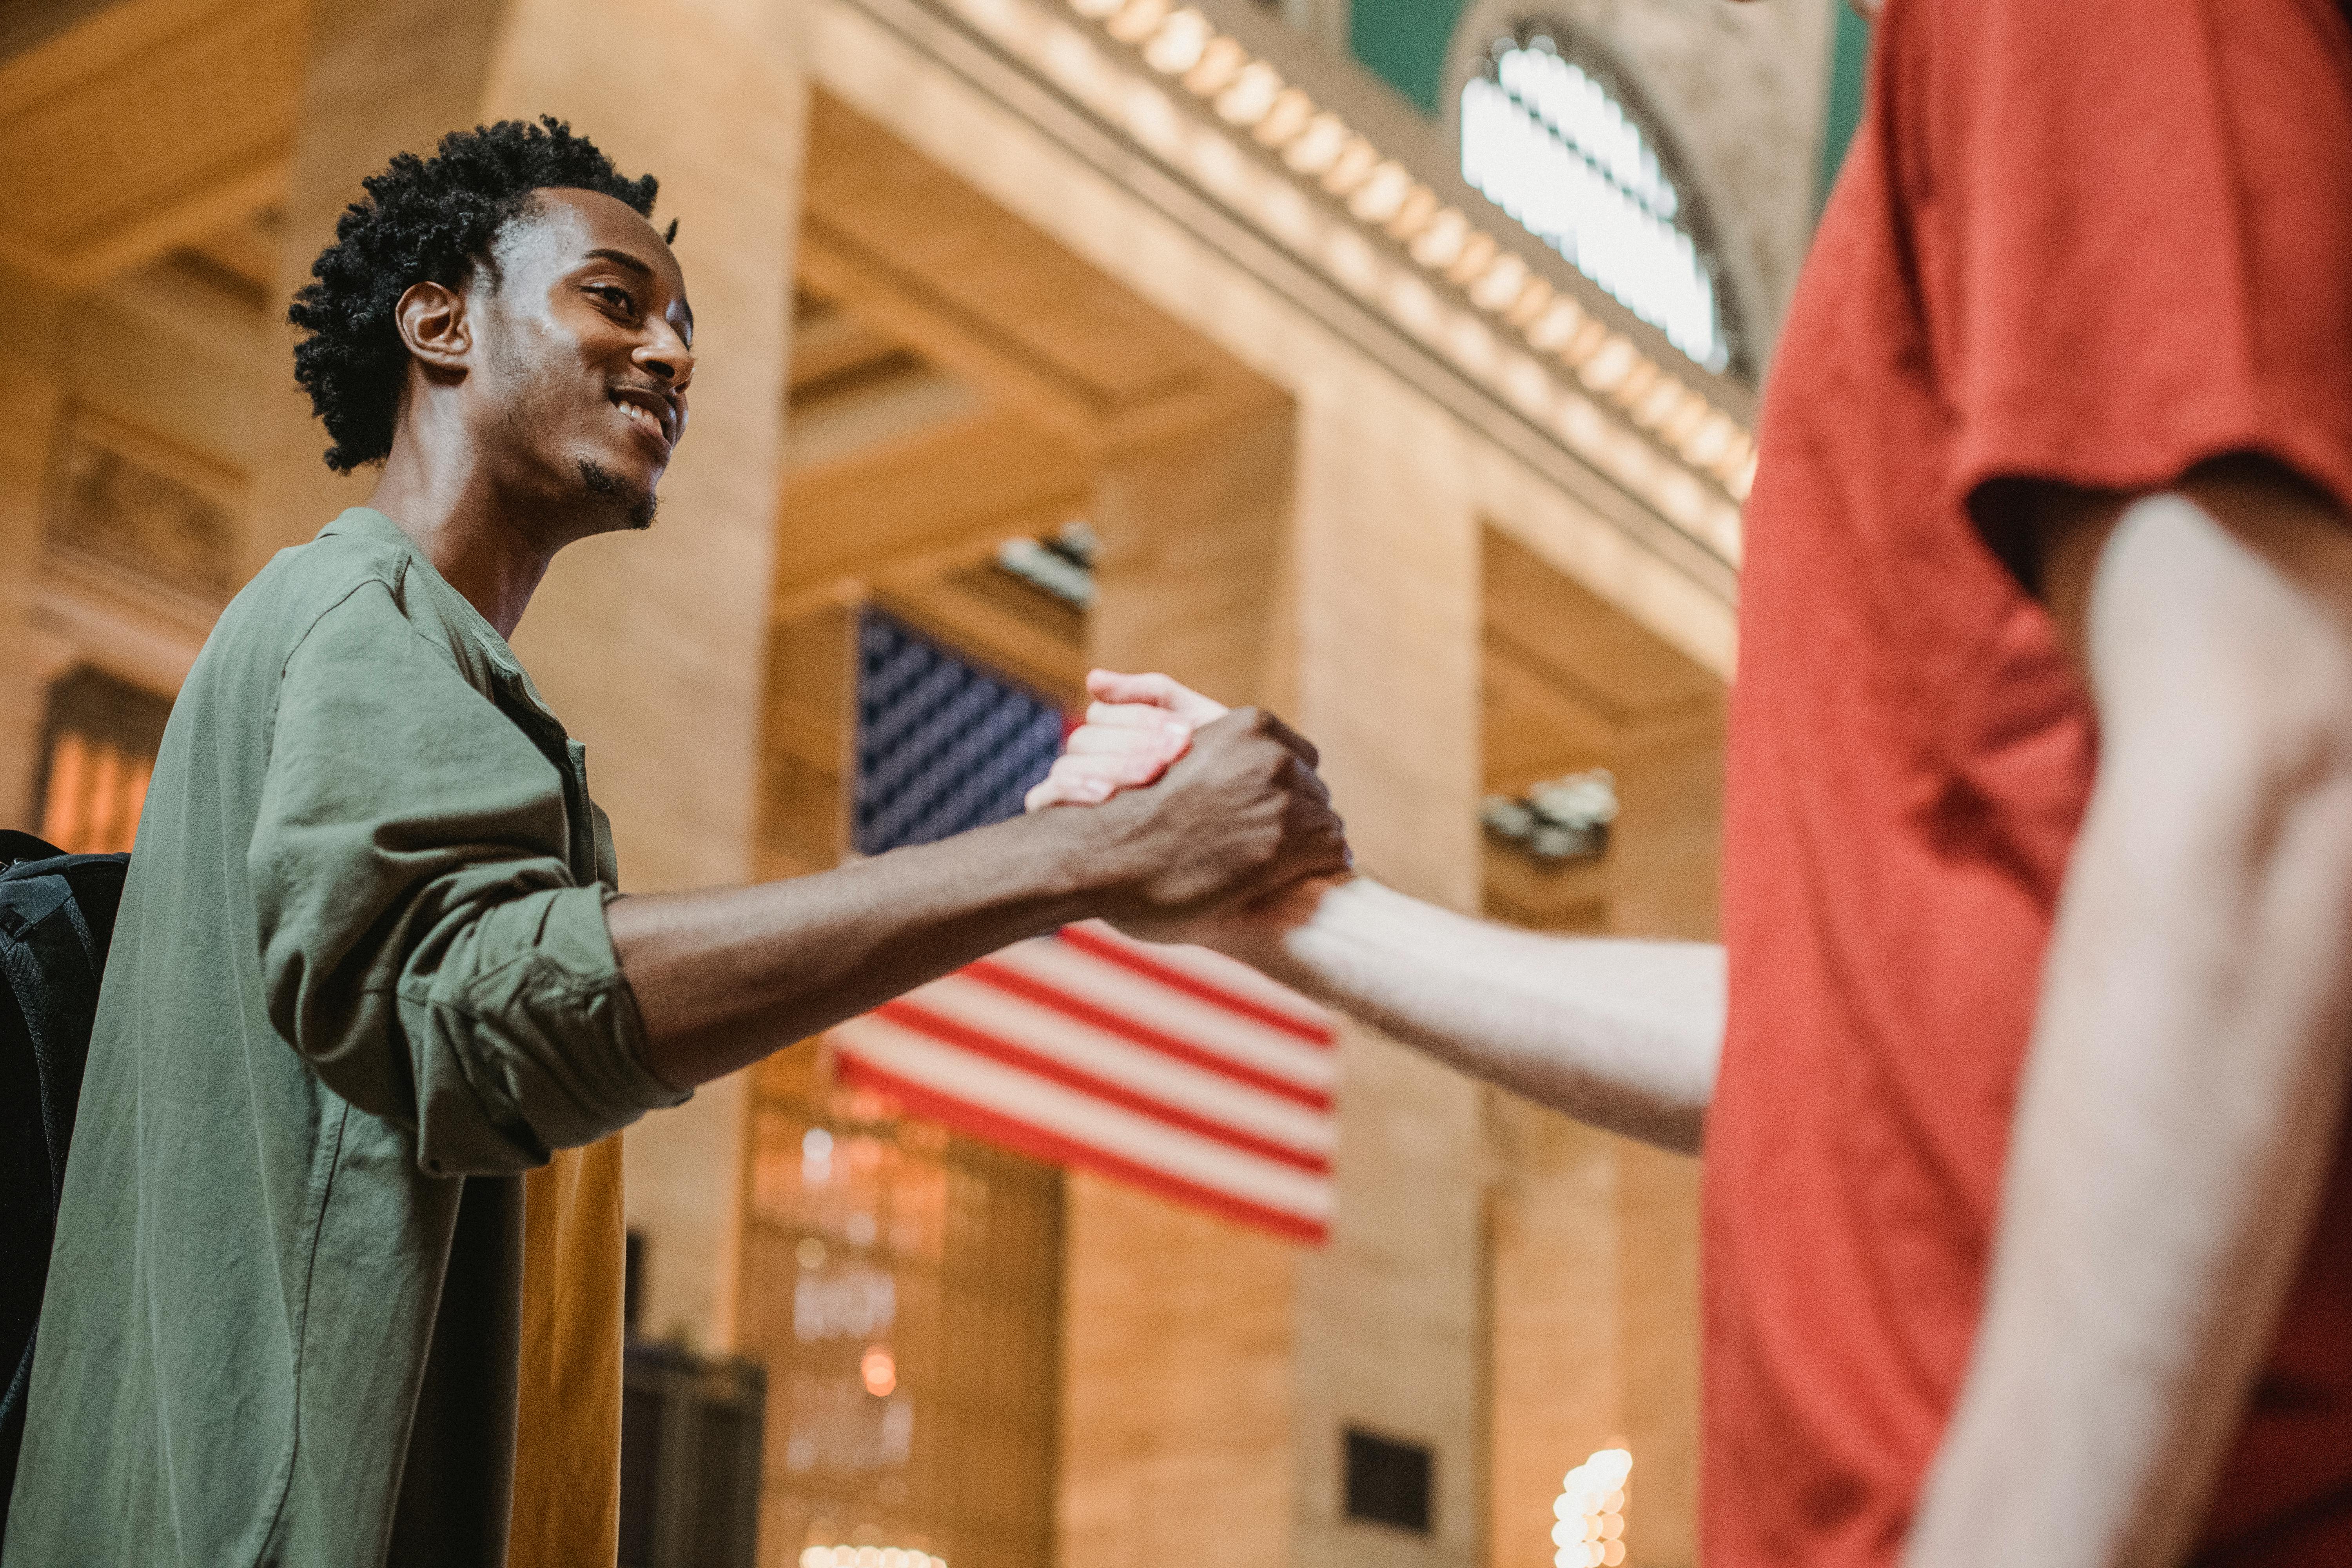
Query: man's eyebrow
point(623, 258)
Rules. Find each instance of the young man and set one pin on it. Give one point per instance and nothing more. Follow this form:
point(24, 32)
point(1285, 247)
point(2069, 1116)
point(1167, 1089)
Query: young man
point(2046, 691)
point(306, 1306)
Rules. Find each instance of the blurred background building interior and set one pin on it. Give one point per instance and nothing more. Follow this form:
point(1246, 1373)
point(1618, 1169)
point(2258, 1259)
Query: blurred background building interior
point(1392, 363)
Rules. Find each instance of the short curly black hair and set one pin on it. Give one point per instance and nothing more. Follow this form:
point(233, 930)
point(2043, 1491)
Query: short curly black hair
point(424, 220)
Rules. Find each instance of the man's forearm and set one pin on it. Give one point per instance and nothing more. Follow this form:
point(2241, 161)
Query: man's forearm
point(722, 978)
point(2187, 1077)
point(1624, 1035)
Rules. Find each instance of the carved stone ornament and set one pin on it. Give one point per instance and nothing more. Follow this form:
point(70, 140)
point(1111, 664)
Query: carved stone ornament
point(135, 503)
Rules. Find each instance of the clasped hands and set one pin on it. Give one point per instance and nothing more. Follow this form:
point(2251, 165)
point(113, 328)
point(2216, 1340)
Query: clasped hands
point(1224, 801)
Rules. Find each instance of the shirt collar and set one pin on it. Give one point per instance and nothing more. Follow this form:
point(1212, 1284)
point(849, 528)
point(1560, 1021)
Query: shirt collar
point(366, 522)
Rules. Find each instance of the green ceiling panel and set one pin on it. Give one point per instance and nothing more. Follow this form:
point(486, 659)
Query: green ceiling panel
point(1849, 68)
point(1404, 41)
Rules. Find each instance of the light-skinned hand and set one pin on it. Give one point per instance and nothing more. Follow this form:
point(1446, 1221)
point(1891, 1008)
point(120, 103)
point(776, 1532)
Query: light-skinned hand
point(1135, 728)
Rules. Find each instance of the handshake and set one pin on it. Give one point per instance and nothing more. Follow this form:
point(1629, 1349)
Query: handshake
point(1213, 818)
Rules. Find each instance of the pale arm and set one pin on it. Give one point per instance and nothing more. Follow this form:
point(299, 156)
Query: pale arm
point(2180, 1104)
point(1624, 1035)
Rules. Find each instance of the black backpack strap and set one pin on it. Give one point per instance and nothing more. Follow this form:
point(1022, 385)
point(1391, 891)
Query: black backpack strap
point(57, 921)
point(12, 1413)
point(81, 925)
point(15, 845)
point(52, 960)
point(29, 994)
point(31, 990)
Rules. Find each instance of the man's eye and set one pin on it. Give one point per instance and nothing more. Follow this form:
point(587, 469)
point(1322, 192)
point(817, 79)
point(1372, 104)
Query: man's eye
point(619, 297)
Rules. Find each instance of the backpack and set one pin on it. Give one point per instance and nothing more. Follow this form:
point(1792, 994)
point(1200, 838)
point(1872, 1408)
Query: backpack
point(57, 918)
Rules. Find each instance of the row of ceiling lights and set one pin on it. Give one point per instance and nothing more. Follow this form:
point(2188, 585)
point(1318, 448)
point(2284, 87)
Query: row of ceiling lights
point(1590, 1511)
point(1250, 95)
point(868, 1557)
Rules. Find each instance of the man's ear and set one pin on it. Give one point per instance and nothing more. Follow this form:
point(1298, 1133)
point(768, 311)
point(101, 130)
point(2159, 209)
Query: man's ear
point(435, 327)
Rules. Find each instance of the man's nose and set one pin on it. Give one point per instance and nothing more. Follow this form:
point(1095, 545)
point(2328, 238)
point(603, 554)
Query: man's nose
point(667, 356)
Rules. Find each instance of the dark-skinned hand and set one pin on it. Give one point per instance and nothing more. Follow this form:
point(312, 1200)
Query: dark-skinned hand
point(1241, 815)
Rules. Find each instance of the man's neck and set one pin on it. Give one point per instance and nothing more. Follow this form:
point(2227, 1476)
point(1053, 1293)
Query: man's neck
point(461, 526)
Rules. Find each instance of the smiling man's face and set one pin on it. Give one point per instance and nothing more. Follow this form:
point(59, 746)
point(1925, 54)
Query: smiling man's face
point(583, 351)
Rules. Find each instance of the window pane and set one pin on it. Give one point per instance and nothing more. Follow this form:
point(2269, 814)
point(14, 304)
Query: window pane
point(903, 1286)
point(1548, 141)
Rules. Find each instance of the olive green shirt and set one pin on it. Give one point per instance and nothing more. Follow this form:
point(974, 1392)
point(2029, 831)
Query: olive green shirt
point(360, 981)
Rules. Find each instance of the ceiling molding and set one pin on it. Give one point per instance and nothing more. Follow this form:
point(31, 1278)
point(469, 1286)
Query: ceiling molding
point(146, 127)
point(1563, 408)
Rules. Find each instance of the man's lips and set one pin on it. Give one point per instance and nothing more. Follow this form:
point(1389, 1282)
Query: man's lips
point(649, 411)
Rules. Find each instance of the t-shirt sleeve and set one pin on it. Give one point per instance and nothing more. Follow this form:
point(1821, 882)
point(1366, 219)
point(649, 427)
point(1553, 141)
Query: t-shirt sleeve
point(2134, 226)
point(425, 944)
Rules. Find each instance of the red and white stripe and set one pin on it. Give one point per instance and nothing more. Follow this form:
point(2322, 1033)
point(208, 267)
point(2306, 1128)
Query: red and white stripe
point(1172, 1067)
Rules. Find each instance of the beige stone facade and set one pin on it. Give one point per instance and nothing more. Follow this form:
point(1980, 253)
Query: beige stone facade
point(965, 270)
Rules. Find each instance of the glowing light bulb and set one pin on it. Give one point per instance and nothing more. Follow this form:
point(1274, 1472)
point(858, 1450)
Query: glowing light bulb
point(1251, 96)
point(1180, 43)
point(1590, 1511)
point(870, 1557)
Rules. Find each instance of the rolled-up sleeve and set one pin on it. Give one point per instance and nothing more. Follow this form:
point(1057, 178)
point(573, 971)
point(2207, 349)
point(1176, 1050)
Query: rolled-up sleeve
point(425, 945)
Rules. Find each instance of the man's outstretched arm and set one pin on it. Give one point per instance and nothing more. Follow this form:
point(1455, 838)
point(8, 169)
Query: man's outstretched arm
point(1624, 1035)
point(2181, 1102)
point(722, 978)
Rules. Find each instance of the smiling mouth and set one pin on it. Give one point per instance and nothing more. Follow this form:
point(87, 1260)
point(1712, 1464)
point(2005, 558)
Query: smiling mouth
point(643, 418)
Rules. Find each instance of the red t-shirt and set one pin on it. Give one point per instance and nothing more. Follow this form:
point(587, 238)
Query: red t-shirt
point(2091, 241)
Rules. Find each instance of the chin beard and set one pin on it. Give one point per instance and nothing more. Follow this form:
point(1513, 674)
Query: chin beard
point(638, 506)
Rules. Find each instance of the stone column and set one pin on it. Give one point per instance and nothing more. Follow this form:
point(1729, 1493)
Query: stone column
point(1179, 1337)
point(1392, 1315)
point(1596, 1241)
point(651, 648)
point(1558, 1370)
point(1664, 880)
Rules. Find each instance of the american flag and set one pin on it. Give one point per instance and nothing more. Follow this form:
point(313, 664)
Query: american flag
point(1172, 1067)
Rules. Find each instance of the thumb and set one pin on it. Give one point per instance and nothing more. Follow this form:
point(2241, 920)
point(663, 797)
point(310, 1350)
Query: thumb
point(1159, 692)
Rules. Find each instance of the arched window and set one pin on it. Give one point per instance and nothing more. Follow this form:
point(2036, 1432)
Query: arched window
point(1550, 139)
